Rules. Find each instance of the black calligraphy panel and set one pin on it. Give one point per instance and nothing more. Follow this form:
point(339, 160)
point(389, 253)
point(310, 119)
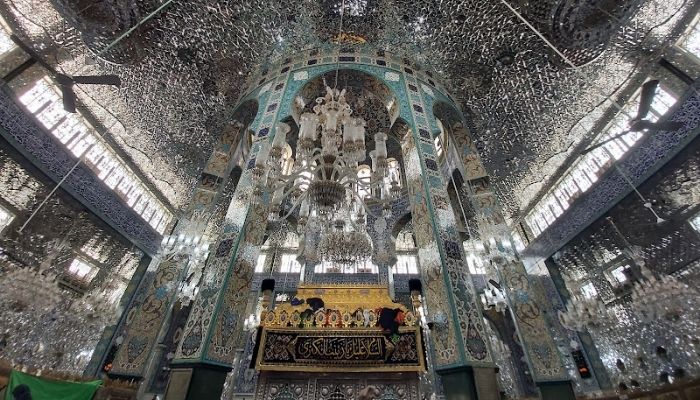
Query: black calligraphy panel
point(312, 349)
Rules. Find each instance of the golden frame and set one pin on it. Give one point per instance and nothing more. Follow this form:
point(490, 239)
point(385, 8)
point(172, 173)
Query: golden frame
point(281, 367)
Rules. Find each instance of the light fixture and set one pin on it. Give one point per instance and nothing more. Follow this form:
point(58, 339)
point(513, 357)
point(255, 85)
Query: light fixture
point(582, 313)
point(322, 186)
point(188, 242)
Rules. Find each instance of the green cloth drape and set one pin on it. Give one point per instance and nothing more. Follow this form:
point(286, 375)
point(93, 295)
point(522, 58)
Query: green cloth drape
point(44, 389)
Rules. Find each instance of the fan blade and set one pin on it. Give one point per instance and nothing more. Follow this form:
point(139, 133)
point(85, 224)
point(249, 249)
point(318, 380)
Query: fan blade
point(606, 141)
point(63, 80)
point(98, 80)
point(668, 126)
point(33, 54)
point(68, 98)
point(646, 98)
point(644, 125)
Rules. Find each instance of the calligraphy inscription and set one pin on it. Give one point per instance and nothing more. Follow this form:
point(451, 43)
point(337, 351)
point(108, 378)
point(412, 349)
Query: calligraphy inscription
point(362, 348)
point(340, 350)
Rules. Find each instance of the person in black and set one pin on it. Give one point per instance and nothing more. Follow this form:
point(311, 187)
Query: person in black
point(22, 392)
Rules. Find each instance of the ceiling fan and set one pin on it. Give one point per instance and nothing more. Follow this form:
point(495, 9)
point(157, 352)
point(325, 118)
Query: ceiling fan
point(640, 123)
point(64, 81)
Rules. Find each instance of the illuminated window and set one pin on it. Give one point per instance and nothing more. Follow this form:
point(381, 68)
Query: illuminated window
point(6, 44)
point(518, 242)
point(585, 171)
point(81, 271)
point(438, 145)
point(589, 291)
point(287, 160)
point(475, 264)
point(405, 264)
point(694, 222)
point(393, 172)
point(364, 174)
point(289, 264)
point(405, 242)
point(619, 275)
point(366, 267)
point(690, 41)
point(44, 101)
point(260, 264)
point(440, 141)
point(325, 267)
point(6, 218)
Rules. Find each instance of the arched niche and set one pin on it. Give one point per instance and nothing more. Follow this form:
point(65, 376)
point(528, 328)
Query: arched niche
point(293, 134)
point(464, 212)
point(458, 136)
point(359, 83)
point(401, 224)
point(397, 135)
point(243, 116)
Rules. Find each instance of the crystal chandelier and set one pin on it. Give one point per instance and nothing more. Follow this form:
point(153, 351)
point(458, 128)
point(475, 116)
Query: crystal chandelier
point(656, 298)
point(322, 187)
point(582, 313)
point(189, 242)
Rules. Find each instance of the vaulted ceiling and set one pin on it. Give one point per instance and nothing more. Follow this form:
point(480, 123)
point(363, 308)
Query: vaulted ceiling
point(185, 67)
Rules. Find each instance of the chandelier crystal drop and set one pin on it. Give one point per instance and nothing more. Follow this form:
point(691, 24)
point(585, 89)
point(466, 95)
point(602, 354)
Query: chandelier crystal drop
point(321, 187)
point(582, 313)
point(656, 298)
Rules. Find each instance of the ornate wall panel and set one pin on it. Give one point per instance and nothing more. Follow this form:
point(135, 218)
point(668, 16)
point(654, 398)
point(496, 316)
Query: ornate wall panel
point(426, 180)
point(669, 248)
point(145, 322)
point(336, 387)
point(214, 329)
point(142, 330)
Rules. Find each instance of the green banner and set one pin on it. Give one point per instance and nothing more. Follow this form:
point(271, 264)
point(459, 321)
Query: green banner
point(44, 389)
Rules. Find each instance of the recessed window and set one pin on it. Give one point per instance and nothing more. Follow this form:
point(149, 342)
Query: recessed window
point(589, 291)
point(260, 264)
point(289, 264)
point(6, 218)
point(81, 271)
point(695, 222)
point(690, 41)
point(620, 275)
point(406, 264)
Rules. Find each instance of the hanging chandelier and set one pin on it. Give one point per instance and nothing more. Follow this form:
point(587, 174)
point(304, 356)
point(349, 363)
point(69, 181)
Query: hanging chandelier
point(582, 313)
point(662, 298)
point(321, 187)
